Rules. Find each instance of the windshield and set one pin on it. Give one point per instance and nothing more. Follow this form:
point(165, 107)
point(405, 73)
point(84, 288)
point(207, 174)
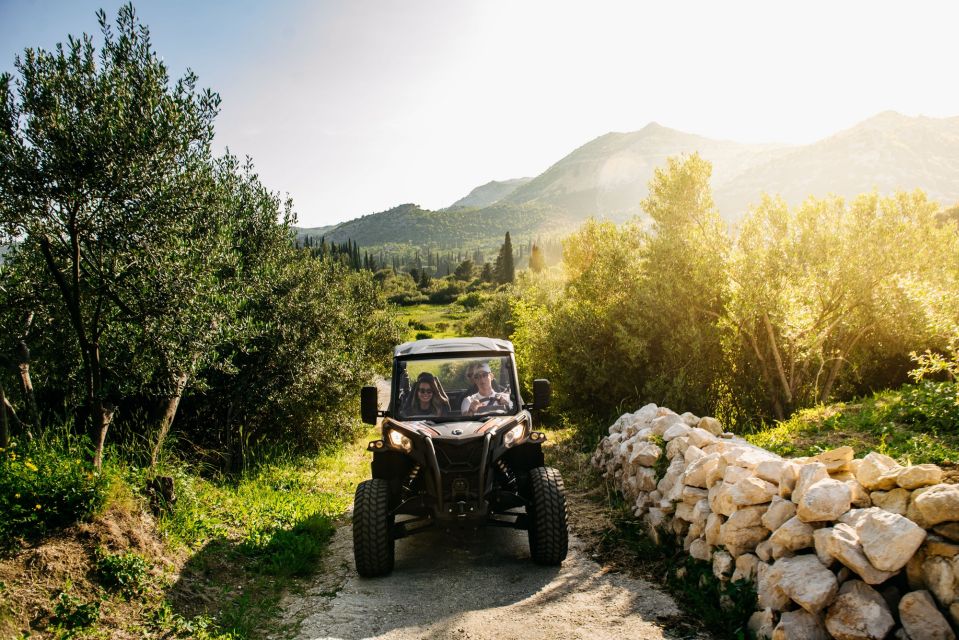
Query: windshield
point(455, 388)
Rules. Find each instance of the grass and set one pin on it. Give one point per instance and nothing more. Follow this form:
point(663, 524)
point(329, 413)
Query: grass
point(915, 424)
point(433, 321)
point(215, 564)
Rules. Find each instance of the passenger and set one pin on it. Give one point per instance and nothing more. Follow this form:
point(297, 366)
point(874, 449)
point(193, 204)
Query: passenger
point(485, 397)
point(428, 397)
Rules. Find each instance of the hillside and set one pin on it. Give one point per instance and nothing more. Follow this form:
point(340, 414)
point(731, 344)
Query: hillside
point(489, 193)
point(452, 228)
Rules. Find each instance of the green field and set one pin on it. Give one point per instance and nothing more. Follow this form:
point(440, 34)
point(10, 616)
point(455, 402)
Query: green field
point(433, 320)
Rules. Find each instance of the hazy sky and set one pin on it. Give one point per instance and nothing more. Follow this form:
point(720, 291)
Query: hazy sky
point(355, 107)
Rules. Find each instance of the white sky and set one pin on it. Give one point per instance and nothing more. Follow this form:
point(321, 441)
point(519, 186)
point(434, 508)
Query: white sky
point(355, 107)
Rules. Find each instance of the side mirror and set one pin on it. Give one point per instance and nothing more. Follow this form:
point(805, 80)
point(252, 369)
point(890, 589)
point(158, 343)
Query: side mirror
point(542, 392)
point(369, 405)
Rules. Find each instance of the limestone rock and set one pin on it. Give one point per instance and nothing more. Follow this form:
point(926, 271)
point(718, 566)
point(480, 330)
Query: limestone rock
point(843, 545)
point(770, 470)
point(645, 454)
point(723, 565)
point(824, 500)
point(700, 437)
point(769, 594)
point(921, 475)
point(764, 551)
point(676, 448)
point(878, 472)
point(696, 472)
point(743, 530)
point(779, 511)
point(700, 550)
point(806, 581)
point(858, 613)
point(787, 481)
point(860, 497)
point(800, 625)
point(745, 568)
point(938, 503)
point(692, 453)
point(675, 430)
point(662, 423)
point(922, 619)
point(761, 624)
point(939, 577)
point(734, 474)
point(948, 530)
point(713, 529)
point(712, 425)
point(889, 539)
point(809, 474)
point(692, 495)
point(793, 535)
point(822, 543)
point(690, 419)
point(752, 490)
point(894, 501)
point(912, 511)
point(836, 460)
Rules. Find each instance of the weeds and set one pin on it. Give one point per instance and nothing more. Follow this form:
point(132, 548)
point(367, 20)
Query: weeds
point(122, 572)
point(71, 614)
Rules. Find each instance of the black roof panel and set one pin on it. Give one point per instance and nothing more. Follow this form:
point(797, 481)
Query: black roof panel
point(453, 346)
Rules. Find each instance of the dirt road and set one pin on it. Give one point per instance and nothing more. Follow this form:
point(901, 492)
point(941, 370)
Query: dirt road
point(475, 586)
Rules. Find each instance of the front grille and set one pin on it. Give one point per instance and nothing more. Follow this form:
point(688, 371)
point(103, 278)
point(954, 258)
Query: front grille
point(459, 457)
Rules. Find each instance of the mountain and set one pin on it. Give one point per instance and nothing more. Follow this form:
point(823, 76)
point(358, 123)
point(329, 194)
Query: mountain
point(887, 152)
point(608, 177)
point(489, 193)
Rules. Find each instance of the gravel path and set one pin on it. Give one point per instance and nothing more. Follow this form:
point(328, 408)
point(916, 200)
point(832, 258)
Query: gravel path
point(475, 585)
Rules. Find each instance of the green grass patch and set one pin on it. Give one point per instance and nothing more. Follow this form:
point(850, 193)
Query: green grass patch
point(915, 424)
point(433, 320)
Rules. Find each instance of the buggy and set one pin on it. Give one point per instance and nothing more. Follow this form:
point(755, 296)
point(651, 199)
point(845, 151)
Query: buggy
point(458, 450)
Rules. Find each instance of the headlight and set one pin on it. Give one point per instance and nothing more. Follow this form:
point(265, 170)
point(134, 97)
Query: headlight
point(399, 440)
point(514, 434)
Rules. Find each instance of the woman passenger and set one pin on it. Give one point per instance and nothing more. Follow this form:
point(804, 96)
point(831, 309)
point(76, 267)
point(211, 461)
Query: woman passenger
point(428, 397)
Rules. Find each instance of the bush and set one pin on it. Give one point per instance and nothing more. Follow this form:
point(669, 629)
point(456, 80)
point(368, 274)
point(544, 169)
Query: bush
point(935, 405)
point(408, 298)
point(45, 485)
point(123, 572)
point(471, 300)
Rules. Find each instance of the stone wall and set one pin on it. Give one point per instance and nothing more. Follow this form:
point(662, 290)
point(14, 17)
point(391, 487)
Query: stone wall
point(837, 547)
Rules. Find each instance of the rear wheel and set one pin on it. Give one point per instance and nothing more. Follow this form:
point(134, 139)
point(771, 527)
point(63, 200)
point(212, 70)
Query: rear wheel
point(548, 529)
point(372, 529)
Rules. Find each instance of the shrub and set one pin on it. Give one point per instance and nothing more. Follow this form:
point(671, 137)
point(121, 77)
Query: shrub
point(471, 300)
point(123, 572)
point(934, 405)
point(71, 613)
point(45, 485)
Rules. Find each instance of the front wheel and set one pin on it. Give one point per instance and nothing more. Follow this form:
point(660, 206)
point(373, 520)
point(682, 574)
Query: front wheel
point(373, 542)
point(548, 529)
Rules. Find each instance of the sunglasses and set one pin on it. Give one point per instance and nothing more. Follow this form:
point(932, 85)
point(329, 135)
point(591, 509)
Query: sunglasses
point(425, 390)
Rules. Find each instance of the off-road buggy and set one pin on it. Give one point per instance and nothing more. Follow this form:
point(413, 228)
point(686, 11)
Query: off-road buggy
point(458, 450)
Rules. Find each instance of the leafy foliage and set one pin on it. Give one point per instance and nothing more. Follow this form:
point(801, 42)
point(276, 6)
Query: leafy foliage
point(124, 572)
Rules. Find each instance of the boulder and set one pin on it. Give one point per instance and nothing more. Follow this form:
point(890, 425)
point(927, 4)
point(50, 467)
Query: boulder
point(912, 511)
point(894, 501)
point(697, 471)
point(822, 543)
point(770, 470)
point(734, 474)
point(764, 551)
point(715, 473)
point(836, 460)
point(843, 545)
point(860, 497)
point(793, 535)
point(676, 448)
point(692, 453)
point(859, 613)
point(711, 425)
point(745, 568)
point(714, 523)
point(692, 495)
point(700, 550)
point(723, 565)
point(769, 594)
point(878, 472)
point(800, 625)
point(938, 546)
point(662, 423)
point(761, 624)
point(948, 530)
point(809, 474)
point(675, 430)
point(700, 437)
point(778, 512)
point(938, 503)
point(787, 482)
point(743, 530)
point(752, 490)
point(922, 619)
point(889, 539)
point(940, 578)
point(690, 419)
point(920, 475)
point(645, 454)
point(806, 581)
point(645, 479)
point(824, 500)
point(721, 499)
point(747, 457)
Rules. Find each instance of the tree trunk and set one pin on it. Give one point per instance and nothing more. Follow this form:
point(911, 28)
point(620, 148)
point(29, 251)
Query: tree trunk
point(26, 385)
point(104, 418)
point(173, 402)
point(787, 388)
point(4, 424)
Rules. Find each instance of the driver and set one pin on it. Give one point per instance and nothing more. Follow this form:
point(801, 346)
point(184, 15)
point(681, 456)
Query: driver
point(485, 398)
